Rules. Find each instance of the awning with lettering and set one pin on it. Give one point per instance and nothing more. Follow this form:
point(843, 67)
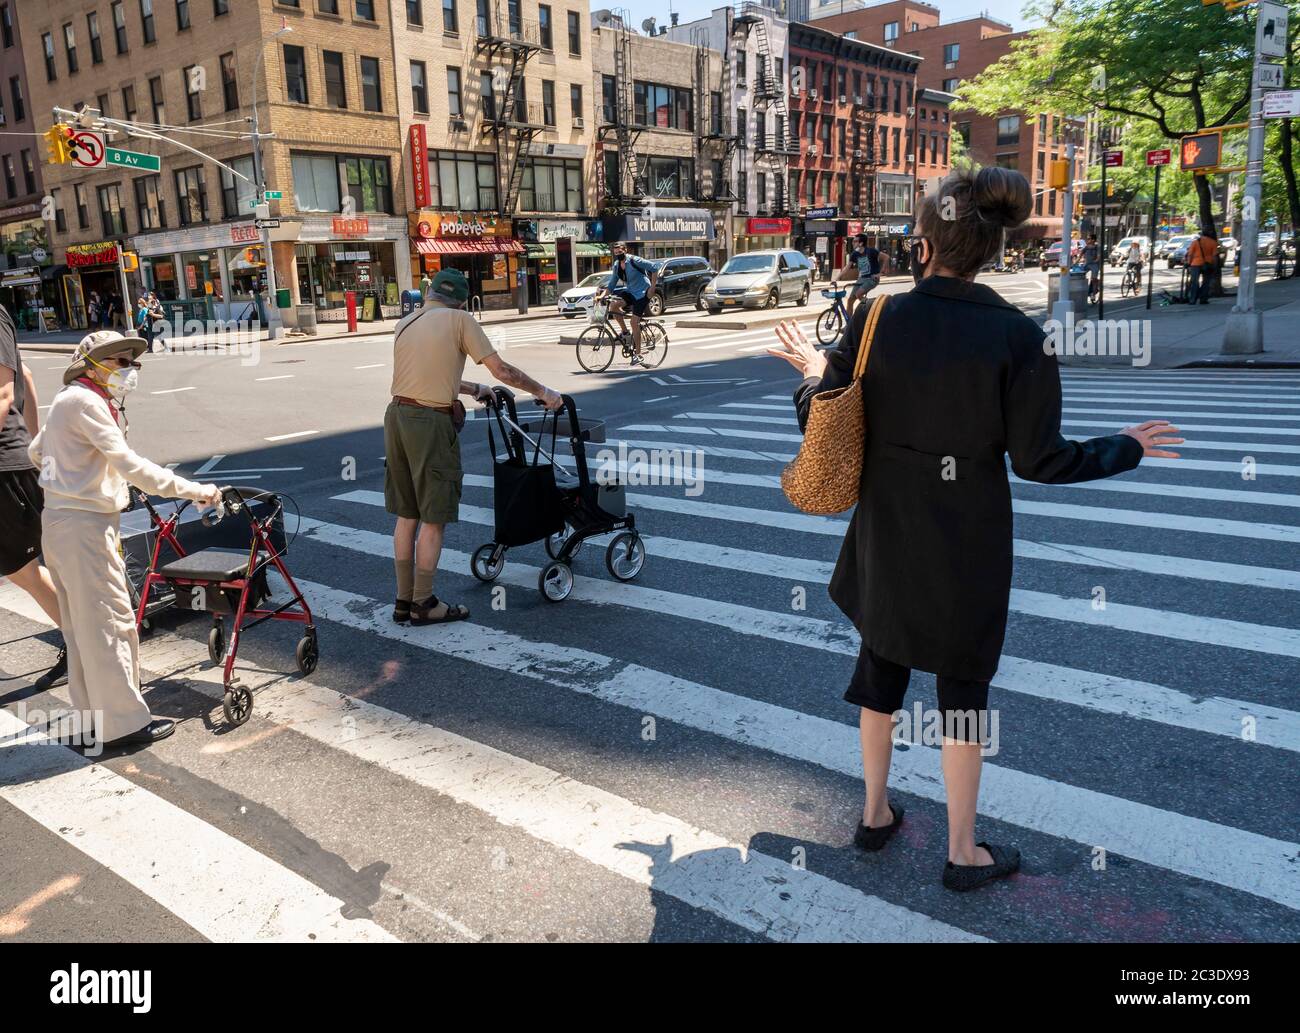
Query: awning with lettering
point(582, 248)
point(494, 246)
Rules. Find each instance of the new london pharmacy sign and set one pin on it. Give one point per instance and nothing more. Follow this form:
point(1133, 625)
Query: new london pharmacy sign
point(660, 224)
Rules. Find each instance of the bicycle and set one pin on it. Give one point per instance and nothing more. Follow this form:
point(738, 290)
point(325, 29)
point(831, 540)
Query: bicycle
point(1132, 282)
point(599, 341)
point(831, 322)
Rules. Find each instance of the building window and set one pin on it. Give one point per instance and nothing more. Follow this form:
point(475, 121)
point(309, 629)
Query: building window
point(102, 103)
point(16, 94)
point(7, 25)
point(119, 27)
point(51, 69)
point(715, 113)
point(315, 182)
point(741, 73)
point(608, 100)
point(324, 6)
point(156, 101)
point(96, 43)
point(454, 108)
point(128, 102)
point(669, 177)
point(667, 107)
point(149, 203)
point(415, 12)
point(1008, 130)
point(336, 91)
point(295, 74)
point(146, 19)
point(111, 213)
point(182, 15)
point(575, 101)
point(951, 51)
point(237, 194)
point(193, 98)
point(950, 85)
point(1008, 161)
point(893, 198)
point(548, 102)
point(449, 22)
point(575, 35)
point(370, 97)
point(963, 130)
point(367, 182)
point(83, 209)
point(229, 82)
point(463, 182)
point(11, 180)
point(191, 195)
point(742, 127)
point(487, 99)
point(29, 172)
point(220, 7)
point(552, 185)
point(366, 12)
point(891, 33)
point(544, 25)
point(70, 48)
point(60, 216)
point(419, 88)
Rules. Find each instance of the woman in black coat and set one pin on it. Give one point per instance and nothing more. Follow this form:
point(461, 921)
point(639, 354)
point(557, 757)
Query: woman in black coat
point(957, 379)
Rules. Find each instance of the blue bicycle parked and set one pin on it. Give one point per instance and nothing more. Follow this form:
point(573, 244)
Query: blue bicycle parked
point(834, 319)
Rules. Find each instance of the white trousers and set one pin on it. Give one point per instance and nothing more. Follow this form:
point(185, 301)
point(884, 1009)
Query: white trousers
point(81, 553)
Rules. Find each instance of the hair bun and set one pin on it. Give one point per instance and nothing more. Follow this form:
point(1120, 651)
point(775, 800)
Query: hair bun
point(1002, 196)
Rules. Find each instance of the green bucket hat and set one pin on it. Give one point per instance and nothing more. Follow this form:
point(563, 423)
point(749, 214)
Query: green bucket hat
point(450, 286)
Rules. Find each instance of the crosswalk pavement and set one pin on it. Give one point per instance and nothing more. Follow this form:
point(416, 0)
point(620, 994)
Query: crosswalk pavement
point(670, 758)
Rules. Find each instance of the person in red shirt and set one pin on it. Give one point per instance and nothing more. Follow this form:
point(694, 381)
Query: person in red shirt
point(1202, 256)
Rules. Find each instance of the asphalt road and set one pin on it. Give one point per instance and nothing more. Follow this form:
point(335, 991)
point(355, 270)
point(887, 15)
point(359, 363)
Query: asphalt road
point(598, 769)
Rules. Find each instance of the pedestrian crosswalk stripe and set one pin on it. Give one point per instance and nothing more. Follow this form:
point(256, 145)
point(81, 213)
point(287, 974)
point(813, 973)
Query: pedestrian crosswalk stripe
point(1212, 428)
point(1166, 413)
point(1114, 397)
point(1155, 703)
point(1253, 400)
point(767, 895)
point(716, 451)
point(224, 889)
point(1176, 491)
point(725, 432)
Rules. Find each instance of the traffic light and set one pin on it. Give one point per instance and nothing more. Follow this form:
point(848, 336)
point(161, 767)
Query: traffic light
point(59, 139)
point(130, 261)
point(1201, 152)
point(1058, 174)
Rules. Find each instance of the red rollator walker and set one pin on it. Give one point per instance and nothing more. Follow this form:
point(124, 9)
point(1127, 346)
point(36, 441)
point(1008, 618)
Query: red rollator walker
point(228, 582)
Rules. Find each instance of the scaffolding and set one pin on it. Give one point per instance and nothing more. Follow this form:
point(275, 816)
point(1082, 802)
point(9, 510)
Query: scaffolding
point(506, 42)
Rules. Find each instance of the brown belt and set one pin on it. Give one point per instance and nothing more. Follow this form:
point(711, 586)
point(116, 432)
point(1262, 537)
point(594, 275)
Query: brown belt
point(403, 400)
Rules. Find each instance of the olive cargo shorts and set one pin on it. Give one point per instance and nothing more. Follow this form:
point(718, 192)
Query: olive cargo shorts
point(422, 477)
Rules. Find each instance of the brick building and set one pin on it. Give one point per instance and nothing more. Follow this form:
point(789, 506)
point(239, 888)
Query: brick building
point(857, 117)
point(495, 100)
point(22, 232)
point(958, 50)
point(321, 72)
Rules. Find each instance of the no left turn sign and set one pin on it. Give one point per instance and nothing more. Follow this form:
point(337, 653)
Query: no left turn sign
point(87, 150)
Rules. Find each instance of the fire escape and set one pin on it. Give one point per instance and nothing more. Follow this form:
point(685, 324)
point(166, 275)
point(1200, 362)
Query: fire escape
point(714, 139)
point(771, 150)
point(865, 158)
point(619, 123)
point(505, 43)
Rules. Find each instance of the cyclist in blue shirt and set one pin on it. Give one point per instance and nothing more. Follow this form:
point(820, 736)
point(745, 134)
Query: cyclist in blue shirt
point(638, 278)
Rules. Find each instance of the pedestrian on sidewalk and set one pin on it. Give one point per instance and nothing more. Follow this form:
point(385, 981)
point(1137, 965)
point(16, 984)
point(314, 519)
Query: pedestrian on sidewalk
point(1202, 257)
point(422, 473)
point(957, 378)
point(21, 498)
point(86, 465)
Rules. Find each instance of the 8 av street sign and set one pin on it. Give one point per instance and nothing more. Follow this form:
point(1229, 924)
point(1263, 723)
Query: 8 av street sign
point(132, 159)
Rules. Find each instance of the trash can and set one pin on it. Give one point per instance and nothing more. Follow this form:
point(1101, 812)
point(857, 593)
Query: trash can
point(282, 299)
point(306, 316)
point(1078, 288)
point(411, 300)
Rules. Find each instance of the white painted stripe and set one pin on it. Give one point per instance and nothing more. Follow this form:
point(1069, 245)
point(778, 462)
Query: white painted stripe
point(1154, 563)
point(295, 434)
point(1240, 447)
point(220, 886)
point(1175, 491)
point(1132, 413)
point(171, 390)
point(1248, 861)
point(1227, 387)
point(1219, 716)
point(1211, 428)
point(757, 892)
point(1185, 395)
point(771, 421)
point(282, 376)
point(725, 432)
point(371, 365)
point(716, 451)
point(1111, 397)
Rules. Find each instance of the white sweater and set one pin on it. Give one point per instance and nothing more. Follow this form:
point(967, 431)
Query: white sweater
point(85, 462)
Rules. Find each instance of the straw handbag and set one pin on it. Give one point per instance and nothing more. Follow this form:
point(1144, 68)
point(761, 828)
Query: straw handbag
point(823, 478)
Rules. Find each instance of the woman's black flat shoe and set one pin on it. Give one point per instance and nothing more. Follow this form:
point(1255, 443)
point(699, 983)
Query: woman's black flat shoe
point(963, 877)
point(875, 838)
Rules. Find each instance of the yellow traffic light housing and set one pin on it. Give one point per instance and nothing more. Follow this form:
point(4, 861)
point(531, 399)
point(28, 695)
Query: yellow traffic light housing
point(1058, 174)
point(57, 137)
point(130, 261)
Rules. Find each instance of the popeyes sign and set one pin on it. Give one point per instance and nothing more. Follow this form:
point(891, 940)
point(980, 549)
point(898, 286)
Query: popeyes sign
point(456, 226)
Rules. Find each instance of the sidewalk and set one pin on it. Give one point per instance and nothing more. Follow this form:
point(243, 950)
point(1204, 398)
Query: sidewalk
point(1192, 335)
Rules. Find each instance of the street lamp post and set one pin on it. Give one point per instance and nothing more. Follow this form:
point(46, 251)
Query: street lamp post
point(273, 323)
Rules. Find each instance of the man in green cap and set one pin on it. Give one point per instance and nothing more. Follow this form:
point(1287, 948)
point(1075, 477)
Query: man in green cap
point(422, 476)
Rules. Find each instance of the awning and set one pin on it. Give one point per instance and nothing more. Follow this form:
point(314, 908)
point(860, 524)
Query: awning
point(494, 246)
point(583, 249)
point(20, 280)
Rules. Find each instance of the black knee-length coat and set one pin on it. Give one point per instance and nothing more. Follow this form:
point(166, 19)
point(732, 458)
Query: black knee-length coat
point(957, 380)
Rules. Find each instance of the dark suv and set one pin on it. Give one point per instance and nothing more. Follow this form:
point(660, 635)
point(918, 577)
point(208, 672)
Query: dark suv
point(680, 282)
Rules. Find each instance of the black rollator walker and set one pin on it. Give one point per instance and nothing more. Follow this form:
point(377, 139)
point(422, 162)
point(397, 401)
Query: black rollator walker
point(227, 582)
point(535, 501)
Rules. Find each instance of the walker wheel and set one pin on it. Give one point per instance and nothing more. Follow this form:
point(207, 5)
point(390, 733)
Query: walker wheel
point(237, 704)
point(625, 555)
point(217, 644)
point(555, 582)
point(555, 543)
point(307, 654)
point(488, 561)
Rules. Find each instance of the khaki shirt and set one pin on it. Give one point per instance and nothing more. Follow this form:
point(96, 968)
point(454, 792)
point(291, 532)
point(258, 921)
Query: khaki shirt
point(429, 350)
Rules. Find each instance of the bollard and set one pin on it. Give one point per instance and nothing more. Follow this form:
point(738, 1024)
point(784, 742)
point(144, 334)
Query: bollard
point(350, 301)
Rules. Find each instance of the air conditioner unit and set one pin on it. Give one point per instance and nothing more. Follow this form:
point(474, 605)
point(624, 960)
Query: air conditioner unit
point(858, 100)
point(911, 112)
point(950, 64)
point(812, 94)
point(457, 125)
point(911, 158)
point(578, 122)
point(812, 150)
point(843, 99)
point(857, 154)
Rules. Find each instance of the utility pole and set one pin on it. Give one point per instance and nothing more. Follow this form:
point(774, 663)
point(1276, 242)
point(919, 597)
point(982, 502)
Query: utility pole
point(274, 327)
point(1063, 306)
point(1244, 332)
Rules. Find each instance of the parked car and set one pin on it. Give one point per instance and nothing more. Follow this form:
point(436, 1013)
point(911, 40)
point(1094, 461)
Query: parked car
point(1119, 253)
point(760, 279)
point(1176, 249)
point(681, 281)
point(1163, 247)
point(576, 301)
point(1050, 258)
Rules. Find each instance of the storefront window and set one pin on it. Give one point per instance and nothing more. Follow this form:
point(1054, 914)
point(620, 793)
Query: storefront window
point(202, 272)
point(245, 269)
point(327, 271)
point(161, 277)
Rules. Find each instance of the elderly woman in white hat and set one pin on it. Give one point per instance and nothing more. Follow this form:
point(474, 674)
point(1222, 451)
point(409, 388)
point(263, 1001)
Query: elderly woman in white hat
point(85, 466)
